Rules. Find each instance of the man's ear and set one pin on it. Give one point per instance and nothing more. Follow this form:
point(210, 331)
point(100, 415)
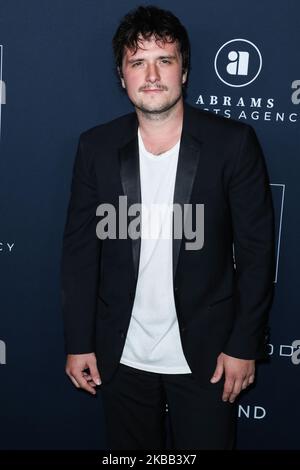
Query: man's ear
point(121, 77)
point(184, 77)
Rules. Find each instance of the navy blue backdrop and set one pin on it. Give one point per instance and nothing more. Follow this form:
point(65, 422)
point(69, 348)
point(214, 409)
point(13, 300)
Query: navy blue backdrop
point(58, 79)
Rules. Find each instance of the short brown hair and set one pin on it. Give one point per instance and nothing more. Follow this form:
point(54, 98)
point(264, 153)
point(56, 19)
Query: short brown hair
point(147, 21)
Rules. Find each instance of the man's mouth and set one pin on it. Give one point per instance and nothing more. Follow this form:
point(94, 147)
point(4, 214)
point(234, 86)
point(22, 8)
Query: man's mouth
point(151, 90)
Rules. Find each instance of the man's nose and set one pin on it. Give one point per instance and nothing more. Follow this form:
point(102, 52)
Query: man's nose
point(152, 74)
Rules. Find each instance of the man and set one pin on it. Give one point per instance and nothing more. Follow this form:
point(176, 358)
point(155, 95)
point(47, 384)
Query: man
point(155, 320)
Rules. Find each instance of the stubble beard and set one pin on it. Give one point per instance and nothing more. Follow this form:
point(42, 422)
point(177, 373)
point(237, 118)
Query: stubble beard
point(160, 112)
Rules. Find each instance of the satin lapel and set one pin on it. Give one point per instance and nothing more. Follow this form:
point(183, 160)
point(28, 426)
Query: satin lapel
point(186, 170)
point(130, 178)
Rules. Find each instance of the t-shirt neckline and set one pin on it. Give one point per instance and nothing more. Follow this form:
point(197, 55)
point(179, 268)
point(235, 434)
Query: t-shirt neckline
point(152, 155)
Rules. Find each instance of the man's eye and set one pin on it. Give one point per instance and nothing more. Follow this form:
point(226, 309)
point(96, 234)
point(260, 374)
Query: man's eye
point(136, 63)
point(166, 61)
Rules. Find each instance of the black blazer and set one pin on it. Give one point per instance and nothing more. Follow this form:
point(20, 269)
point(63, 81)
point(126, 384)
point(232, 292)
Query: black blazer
point(221, 305)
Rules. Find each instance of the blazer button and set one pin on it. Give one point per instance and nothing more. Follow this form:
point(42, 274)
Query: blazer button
point(122, 334)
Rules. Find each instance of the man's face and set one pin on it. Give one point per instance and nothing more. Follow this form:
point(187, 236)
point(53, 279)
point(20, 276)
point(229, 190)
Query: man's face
point(153, 76)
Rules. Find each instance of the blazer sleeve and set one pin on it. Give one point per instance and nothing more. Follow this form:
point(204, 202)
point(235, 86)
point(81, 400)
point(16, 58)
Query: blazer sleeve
point(254, 249)
point(80, 256)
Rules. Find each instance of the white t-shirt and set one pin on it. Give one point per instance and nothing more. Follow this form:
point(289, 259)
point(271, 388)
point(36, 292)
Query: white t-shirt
point(153, 341)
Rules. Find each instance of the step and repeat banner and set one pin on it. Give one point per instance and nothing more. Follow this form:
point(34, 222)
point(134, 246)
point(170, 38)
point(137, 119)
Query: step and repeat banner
point(58, 79)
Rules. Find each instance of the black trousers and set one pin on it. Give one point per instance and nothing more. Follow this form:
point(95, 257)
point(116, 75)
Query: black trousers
point(134, 404)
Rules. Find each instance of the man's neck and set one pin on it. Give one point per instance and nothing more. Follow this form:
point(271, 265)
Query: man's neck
point(161, 131)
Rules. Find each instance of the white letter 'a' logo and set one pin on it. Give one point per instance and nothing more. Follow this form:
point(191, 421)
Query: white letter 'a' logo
point(239, 62)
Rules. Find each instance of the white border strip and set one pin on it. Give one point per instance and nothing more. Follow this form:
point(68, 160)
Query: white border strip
point(1, 55)
point(280, 226)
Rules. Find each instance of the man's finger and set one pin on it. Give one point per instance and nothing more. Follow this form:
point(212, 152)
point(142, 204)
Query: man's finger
point(86, 376)
point(228, 388)
point(89, 379)
point(218, 372)
point(236, 390)
point(74, 381)
point(251, 379)
point(94, 373)
point(245, 384)
point(83, 383)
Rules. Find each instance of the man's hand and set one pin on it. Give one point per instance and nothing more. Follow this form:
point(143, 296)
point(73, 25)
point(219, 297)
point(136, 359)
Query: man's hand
point(76, 363)
point(239, 373)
